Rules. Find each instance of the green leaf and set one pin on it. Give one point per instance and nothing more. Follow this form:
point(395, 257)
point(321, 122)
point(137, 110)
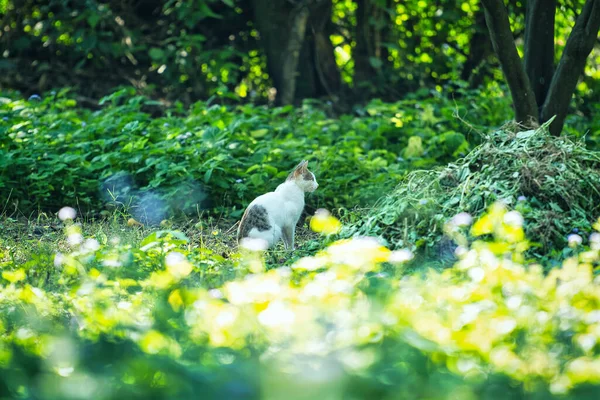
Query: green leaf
point(156, 54)
point(375, 62)
point(207, 175)
point(259, 133)
point(93, 19)
point(14, 276)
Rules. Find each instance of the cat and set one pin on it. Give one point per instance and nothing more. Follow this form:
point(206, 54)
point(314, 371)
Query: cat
point(273, 216)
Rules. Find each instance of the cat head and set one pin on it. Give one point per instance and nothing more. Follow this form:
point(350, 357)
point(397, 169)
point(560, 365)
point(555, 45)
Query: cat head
point(302, 177)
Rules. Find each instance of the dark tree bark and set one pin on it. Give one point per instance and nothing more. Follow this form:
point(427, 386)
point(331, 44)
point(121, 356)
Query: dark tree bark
point(480, 47)
point(318, 73)
point(554, 97)
point(298, 18)
point(370, 54)
point(300, 56)
point(524, 103)
point(571, 65)
point(539, 46)
point(282, 28)
point(363, 51)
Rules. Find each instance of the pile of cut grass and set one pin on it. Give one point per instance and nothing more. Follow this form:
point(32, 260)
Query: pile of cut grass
point(553, 181)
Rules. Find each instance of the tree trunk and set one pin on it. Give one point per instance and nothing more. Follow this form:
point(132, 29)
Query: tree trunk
point(480, 47)
point(363, 51)
point(373, 29)
point(524, 103)
point(318, 73)
point(291, 55)
point(571, 65)
point(282, 28)
point(539, 46)
point(300, 56)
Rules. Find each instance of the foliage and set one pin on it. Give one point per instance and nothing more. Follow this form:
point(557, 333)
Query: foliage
point(191, 49)
point(134, 320)
point(219, 157)
point(552, 181)
point(172, 49)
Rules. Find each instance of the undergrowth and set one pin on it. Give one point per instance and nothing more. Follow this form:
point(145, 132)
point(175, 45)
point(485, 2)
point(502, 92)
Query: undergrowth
point(553, 181)
point(137, 315)
point(159, 162)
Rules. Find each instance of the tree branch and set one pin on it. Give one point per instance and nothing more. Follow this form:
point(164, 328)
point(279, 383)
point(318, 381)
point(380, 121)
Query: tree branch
point(571, 66)
point(496, 17)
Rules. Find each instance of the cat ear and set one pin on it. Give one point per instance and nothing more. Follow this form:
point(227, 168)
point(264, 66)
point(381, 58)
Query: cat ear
point(301, 167)
point(302, 164)
point(299, 170)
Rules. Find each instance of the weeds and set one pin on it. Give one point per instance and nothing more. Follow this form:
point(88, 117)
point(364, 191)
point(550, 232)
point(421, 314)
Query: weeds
point(553, 181)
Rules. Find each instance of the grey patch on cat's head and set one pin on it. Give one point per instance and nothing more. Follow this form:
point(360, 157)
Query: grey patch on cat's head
point(308, 176)
point(254, 217)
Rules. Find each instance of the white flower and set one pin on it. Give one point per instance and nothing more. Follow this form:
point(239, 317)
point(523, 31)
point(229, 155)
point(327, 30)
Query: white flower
point(91, 245)
point(513, 218)
point(574, 240)
point(476, 274)
point(595, 241)
point(111, 262)
point(276, 314)
point(67, 213)
point(460, 251)
point(59, 259)
point(254, 244)
point(75, 238)
point(461, 219)
point(504, 325)
point(174, 258)
point(401, 256)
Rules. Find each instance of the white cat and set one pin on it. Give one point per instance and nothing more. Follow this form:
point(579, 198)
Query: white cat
point(273, 216)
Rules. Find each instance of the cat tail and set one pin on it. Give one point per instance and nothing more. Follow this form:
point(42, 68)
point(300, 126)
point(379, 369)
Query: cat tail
point(243, 228)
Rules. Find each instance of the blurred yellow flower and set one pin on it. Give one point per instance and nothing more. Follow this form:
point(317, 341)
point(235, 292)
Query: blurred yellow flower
point(324, 222)
point(14, 276)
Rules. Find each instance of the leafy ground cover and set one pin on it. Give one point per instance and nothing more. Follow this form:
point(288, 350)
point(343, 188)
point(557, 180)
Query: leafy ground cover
point(139, 290)
point(217, 158)
point(136, 313)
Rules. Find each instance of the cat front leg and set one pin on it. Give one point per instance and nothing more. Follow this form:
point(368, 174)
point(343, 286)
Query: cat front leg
point(288, 237)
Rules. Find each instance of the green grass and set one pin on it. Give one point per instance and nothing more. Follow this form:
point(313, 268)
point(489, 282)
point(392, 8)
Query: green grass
point(33, 244)
point(178, 313)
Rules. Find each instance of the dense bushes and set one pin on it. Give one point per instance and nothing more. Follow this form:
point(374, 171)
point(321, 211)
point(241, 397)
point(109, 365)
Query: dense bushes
point(189, 50)
point(219, 157)
point(171, 49)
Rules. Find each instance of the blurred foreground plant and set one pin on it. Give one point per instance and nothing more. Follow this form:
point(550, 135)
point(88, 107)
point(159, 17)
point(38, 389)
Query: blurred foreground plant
point(341, 310)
